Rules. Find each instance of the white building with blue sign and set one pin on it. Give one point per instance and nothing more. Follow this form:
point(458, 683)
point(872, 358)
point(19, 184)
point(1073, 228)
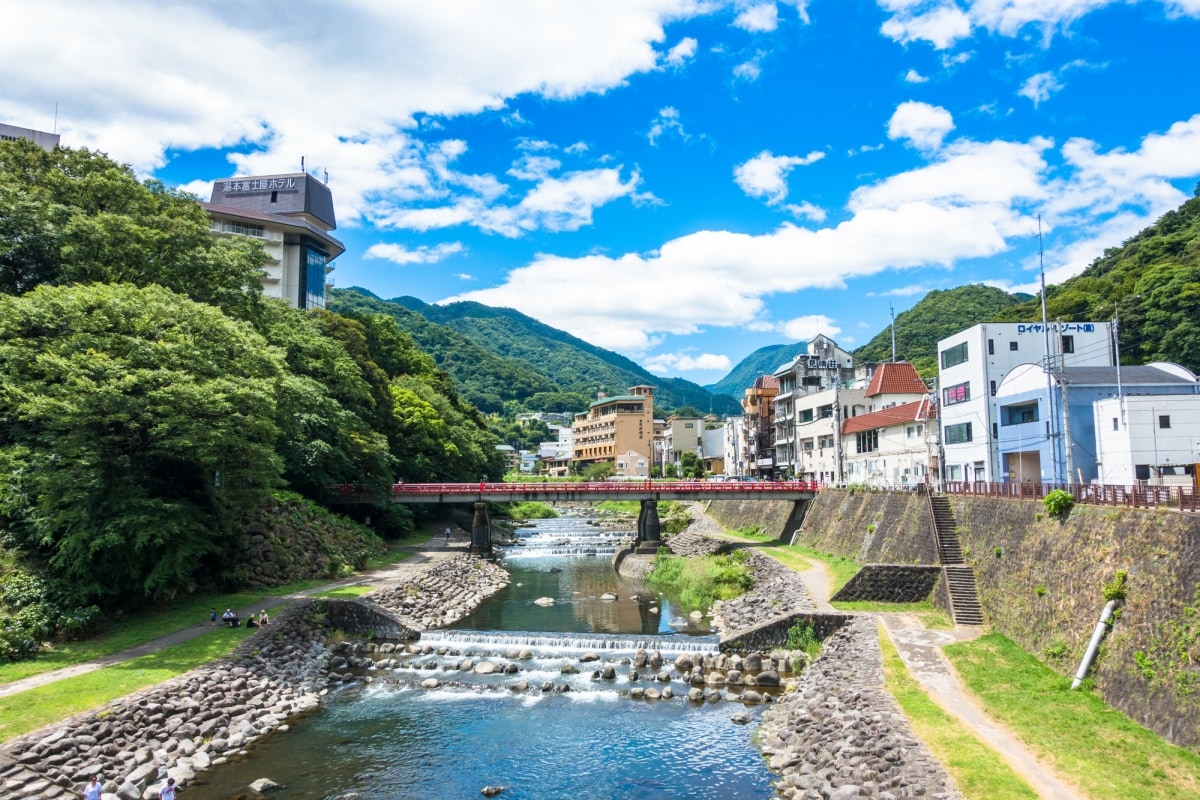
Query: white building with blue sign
point(974, 362)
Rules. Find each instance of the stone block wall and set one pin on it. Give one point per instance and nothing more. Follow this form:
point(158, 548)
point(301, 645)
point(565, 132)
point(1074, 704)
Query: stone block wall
point(771, 515)
point(363, 618)
point(1041, 583)
point(774, 633)
point(890, 583)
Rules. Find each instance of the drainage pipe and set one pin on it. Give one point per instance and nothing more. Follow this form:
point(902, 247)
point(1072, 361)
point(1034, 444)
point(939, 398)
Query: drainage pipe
point(1094, 644)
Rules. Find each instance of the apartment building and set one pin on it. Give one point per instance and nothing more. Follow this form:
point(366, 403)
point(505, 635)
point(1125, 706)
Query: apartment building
point(1149, 440)
point(758, 428)
point(816, 391)
point(291, 216)
point(11, 133)
point(974, 362)
point(615, 426)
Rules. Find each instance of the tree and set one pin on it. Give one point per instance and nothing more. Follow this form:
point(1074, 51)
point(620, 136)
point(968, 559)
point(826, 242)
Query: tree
point(74, 216)
point(135, 424)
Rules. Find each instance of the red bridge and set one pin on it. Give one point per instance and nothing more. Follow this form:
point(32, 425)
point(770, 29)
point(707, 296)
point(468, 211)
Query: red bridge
point(551, 492)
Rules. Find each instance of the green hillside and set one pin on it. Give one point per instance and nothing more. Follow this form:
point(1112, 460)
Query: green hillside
point(936, 316)
point(499, 354)
point(1151, 283)
point(763, 361)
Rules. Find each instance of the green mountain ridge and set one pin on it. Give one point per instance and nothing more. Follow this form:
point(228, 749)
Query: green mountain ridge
point(763, 361)
point(499, 355)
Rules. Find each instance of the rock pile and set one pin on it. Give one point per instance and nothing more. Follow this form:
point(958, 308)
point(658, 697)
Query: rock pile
point(840, 735)
point(694, 542)
point(181, 726)
point(444, 593)
point(777, 591)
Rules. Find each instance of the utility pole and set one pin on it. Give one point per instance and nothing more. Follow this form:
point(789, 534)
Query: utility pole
point(1066, 411)
point(1051, 436)
point(892, 309)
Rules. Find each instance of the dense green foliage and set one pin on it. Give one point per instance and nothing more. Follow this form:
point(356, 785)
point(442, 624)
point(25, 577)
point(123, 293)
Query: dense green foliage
point(498, 355)
point(151, 399)
point(936, 316)
point(700, 581)
point(763, 361)
point(1058, 503)
point(1151, 283)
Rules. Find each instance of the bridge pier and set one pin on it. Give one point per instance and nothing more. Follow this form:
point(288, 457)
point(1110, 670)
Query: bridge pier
point(649, 530)
point(481, 531)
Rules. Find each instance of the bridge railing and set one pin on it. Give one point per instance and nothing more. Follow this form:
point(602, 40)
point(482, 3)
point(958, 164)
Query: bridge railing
point(1184, 498)
point(605, 487)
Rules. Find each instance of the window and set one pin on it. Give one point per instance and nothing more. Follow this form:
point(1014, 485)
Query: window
point(995, 430)
point(957, 434)
point(825, 412)
point(687, 424)
point(991, 347)
point(954, 472)
point(1141, 472)
point(913, 431)
point(1068, 344)
point(1019, 414)
point(1012, 345)
point(810, 380)
point(959, 393)
point(954, 355)
point(866, 441)
point(993, 387)
point(1164, 421)
point(1116, 427)
point(806, 415)
point(825, 441)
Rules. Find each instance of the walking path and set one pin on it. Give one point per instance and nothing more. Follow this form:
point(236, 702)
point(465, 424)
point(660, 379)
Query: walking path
point(921, 651)
point(436, 549)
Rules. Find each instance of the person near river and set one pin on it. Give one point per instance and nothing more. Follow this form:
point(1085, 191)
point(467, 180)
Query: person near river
point(93, 789)
point(167, 792)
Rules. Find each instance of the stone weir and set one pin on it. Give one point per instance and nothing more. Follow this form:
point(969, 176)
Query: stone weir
point(210, 715)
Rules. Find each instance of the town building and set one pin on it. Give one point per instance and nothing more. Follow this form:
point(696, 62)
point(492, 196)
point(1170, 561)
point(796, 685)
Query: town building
point(614, 426)
point(11, 133)
point(680, 435)
point(758, 428)
point(291, 216)
point(554, 458)
point(713, 447)
point(632, 464)
point(1148, 440)
point(894, 442)
point(974, 362)
point(1032, 451)
point(733, 431)
point(816, 391)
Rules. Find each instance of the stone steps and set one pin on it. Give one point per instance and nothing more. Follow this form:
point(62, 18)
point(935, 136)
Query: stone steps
point(960, 578)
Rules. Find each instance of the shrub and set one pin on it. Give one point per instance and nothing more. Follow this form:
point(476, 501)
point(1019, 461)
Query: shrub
point(803, 636)
point(1058, 503)
point(1115, 589)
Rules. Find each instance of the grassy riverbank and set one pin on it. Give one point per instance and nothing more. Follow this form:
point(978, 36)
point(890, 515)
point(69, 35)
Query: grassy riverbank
point(1090, 744)
point(133, 630)
point(29, 710)
point(977, 769)
point(700, 581)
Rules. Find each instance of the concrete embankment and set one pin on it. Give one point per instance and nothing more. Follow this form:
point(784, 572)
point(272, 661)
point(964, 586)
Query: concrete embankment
point(1042, 583)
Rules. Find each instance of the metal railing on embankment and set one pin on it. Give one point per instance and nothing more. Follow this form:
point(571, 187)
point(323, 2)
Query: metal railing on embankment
point(1182, 498)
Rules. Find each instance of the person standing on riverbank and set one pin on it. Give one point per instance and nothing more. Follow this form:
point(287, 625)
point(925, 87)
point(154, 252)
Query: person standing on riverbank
point(167, 792)
point(447, 535)
point(92, 790)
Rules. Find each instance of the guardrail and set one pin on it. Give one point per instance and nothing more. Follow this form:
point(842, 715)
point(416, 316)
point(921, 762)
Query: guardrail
point(1184, 498)
point(503, 490)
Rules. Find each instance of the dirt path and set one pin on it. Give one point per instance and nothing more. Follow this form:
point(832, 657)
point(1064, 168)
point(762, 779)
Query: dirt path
point(421, 556)
point(921, 651)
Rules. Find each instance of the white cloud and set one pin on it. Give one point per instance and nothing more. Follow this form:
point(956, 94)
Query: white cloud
point(1039, 87)
point(902, 291)
point(912, 76)
point(178, 72)
point(944, 22)
point(681, 53)
point(757, 17)
point(803, 329)
point(667, 363)
point(533, 168)
point(666, 124)
point(576, 149)
point(399, 254)
point(749, 70)
point(765, 175)
point(464, 276)
point(806, 210)
point(920, 123)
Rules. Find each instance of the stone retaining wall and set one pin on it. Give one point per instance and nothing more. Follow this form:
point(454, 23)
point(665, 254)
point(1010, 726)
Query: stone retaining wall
point(773, 633)
point(442, 594)
point(890, 583)
point(778, 591)
point(839, 735)
point(365, 618)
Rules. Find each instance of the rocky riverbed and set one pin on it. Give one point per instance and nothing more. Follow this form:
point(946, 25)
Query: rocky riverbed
point(442, 594)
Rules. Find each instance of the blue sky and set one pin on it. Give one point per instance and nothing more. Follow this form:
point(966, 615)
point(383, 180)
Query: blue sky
point(680, 181)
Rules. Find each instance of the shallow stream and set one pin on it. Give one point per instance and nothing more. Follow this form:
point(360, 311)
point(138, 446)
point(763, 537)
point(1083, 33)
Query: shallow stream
point(391, 739)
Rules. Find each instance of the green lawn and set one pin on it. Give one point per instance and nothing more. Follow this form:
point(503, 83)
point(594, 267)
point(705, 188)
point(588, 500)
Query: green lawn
point(35, 708)
point(787, 555)
point(122, 633)
point(1090, 744)
point(346, 592)
point(977, 769)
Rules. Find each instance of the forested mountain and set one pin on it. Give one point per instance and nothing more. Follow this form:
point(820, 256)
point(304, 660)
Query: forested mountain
point(936, 316)
point(499, 354)
point(1151, 284)
point(763, 361)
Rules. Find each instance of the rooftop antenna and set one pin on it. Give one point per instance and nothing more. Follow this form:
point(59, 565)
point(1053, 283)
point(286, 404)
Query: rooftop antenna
point(302, 163)
point(326, 177)
point(893, 310)
point(56, 117)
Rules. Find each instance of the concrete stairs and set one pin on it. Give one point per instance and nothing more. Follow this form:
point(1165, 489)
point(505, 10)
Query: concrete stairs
point(960, 578)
